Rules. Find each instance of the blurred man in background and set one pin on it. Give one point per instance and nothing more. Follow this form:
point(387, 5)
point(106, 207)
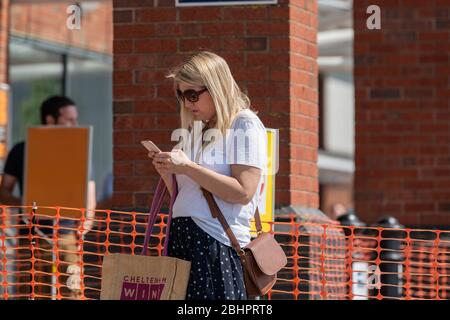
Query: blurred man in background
point(60, 111)
point(56, 110)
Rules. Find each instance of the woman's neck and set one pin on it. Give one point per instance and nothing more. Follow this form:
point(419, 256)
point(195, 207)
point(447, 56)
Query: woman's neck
point(210, 123)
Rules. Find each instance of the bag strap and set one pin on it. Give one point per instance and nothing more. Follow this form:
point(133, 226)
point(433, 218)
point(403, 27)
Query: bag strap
point(169, 217)
point(216, 213)
point(158, 199)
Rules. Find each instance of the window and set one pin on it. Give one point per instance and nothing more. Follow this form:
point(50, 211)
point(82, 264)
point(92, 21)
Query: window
point(38, 70)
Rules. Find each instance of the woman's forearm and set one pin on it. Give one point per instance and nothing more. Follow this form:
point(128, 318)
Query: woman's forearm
point(225, 187)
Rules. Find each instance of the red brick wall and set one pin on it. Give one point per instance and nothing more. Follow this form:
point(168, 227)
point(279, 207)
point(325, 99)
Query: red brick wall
point(402, 112)
point(4, 9)
point(272, 59)
point(47, 21)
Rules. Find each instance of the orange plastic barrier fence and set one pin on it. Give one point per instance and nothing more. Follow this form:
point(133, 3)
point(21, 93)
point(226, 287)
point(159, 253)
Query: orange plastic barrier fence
point(55, 257)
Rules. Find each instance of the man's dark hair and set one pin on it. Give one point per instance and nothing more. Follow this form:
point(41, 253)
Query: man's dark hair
point(52, 105)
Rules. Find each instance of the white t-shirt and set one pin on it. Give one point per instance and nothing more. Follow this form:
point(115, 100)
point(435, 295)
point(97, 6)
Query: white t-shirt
point(249, 148)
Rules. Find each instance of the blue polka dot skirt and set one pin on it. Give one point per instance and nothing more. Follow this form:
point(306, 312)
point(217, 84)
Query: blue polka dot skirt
point(216, 270)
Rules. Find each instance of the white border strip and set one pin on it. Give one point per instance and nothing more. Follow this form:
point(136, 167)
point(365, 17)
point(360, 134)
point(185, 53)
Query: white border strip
point(336, 163)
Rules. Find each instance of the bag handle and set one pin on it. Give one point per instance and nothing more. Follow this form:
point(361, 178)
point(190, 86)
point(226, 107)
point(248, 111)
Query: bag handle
point(169, 217)
point(158, 199)
point(216, 213)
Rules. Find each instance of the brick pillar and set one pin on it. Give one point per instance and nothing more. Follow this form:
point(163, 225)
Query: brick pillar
point(402, 112)
point(274, 60)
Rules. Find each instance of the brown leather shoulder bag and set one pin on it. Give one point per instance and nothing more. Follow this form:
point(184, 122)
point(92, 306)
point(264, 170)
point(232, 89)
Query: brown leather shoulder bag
point(261, 259)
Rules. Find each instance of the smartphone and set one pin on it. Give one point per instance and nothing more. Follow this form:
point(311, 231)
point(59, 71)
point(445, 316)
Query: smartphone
point(150, 146)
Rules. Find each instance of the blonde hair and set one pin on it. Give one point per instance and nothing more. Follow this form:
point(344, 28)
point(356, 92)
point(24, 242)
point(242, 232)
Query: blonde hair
point(211, 71)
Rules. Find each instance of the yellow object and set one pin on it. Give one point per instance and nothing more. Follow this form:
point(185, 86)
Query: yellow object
point(4, 102)
point(3, 105)
point(267, 196)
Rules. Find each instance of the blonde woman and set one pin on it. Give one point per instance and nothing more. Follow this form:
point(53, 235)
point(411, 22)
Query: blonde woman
point(232, 170)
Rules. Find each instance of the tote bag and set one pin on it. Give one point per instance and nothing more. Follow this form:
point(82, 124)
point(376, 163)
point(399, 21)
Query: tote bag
point(142, 277)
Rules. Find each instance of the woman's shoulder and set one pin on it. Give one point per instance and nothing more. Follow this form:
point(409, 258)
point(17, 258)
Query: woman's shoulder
point(246, 113)
point(246, 118)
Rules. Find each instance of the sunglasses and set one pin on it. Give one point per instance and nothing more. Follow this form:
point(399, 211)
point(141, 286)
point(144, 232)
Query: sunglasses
point(190, 95)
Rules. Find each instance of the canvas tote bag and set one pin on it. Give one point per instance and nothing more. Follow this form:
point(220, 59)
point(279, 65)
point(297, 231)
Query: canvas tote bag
point(142, 277)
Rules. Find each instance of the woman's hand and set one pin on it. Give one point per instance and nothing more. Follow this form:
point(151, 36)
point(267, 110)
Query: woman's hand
point(162, 171)
point(175, 161)
point(152, 154)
